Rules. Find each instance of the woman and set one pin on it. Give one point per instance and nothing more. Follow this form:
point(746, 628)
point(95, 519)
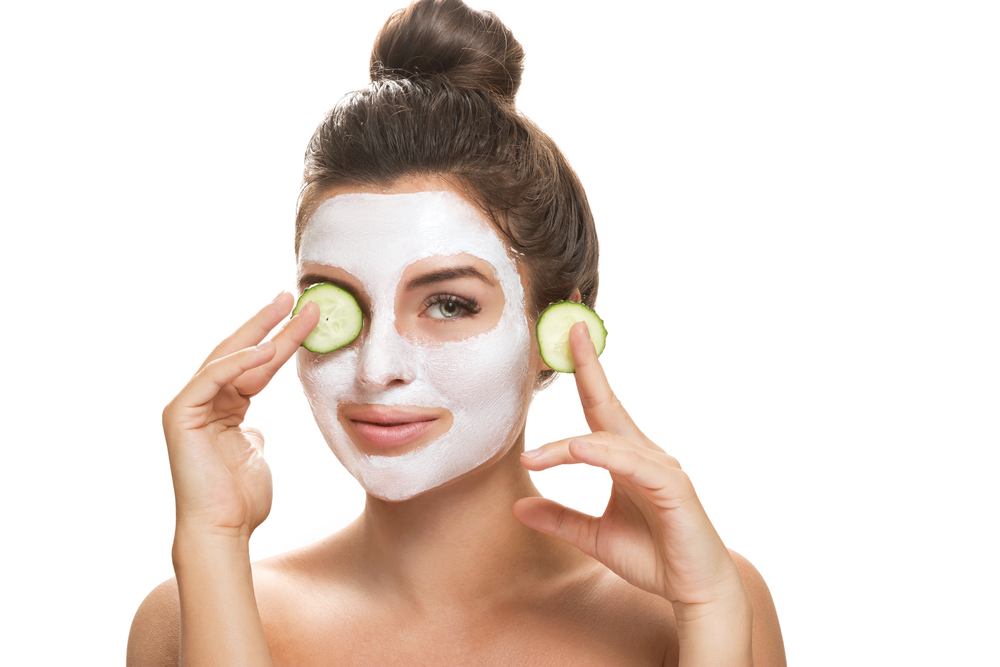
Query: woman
point(453, 221)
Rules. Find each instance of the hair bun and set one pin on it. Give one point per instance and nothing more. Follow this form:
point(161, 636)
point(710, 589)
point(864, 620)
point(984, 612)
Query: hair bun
point(448, 39)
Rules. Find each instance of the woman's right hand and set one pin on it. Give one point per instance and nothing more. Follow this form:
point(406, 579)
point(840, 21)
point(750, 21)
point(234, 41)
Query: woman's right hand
point(222, 484)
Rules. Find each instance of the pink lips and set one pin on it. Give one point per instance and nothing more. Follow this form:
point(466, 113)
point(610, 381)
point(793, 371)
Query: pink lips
point(382, 436)
point(385, 426)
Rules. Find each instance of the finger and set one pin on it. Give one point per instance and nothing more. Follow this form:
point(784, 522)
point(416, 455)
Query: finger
point(253, 330)
point(646, 445)
point(549, 517)
point(287, 340)
point(602, 409)
point(209, 381)
point(646, 469)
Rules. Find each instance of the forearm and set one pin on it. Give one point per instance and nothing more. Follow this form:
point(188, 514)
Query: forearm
point(715, 635)
point(220, 624)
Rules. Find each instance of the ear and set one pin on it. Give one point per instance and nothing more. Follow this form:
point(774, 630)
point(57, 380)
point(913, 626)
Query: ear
point(575, 296)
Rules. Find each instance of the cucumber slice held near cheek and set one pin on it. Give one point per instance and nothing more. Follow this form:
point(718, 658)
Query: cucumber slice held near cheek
point(340, 317)
point(552, 331)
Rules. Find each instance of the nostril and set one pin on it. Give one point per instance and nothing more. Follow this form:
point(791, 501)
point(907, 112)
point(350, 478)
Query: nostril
point(384, 361)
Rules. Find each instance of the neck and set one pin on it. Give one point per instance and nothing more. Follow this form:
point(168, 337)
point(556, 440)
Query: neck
point(459, 546)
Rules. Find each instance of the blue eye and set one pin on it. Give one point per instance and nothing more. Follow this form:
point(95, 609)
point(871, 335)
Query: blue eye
point(448, 304)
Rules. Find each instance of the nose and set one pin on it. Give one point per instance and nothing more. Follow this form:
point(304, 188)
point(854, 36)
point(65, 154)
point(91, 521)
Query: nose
point(384, 358)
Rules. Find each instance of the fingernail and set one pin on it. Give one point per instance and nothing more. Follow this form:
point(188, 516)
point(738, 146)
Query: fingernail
point(280, 294)
point(532, 453)
point(581, 444)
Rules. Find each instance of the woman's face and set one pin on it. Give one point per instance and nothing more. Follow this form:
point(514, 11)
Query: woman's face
point(446, 336)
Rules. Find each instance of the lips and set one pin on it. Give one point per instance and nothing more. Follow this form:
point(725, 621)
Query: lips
point(385, 416)
point(381, 437)
point(382, 427)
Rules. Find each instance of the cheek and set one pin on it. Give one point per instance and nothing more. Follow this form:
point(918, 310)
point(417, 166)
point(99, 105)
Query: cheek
point(483, 368)
point(326, 377)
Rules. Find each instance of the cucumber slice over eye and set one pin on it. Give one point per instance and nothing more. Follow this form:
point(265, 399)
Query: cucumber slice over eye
point(340, 318)
point(552, 331)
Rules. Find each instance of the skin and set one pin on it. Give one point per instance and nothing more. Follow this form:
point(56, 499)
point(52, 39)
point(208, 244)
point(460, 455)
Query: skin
point(458, 547)
point(485, 546)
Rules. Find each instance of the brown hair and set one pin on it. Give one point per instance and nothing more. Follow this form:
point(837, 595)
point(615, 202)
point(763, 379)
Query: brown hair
point(441, 102)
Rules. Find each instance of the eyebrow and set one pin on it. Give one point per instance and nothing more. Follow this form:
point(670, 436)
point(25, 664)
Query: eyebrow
point(448, 274)
point(426, 279)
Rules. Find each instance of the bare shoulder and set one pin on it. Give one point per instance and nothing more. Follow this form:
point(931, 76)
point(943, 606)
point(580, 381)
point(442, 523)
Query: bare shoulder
point(306, 599)
point(154, 637)
point(636, 617)
point(768, 646)
point(312, 609)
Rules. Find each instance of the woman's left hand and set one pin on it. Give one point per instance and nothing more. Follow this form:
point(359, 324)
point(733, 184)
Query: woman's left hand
point(654, 533)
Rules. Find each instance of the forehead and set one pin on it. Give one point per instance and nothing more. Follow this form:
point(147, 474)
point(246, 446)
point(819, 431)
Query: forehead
point(364, 232)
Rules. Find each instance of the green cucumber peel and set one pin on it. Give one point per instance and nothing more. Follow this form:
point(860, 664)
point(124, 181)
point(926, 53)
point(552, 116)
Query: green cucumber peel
point(340, 317)
point(553, 327)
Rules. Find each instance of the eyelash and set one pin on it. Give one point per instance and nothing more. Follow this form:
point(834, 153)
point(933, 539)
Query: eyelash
point(470, 305)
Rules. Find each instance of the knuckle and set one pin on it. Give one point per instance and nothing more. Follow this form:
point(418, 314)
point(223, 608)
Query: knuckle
point(661, 453)
point(631, 460)
point(168, 420)
point(684, 481)
point(561, 517)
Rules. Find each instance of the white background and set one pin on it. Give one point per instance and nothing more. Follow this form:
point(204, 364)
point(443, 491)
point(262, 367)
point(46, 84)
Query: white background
point(797, 206)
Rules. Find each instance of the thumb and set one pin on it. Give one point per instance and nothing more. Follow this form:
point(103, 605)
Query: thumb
point(549, 517)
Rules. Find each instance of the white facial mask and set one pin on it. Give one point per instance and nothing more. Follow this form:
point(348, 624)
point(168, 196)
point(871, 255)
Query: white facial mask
point(481, 379)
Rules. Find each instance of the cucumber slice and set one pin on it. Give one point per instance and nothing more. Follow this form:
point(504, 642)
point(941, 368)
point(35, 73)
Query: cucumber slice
point(340, 318)
point(552, 331)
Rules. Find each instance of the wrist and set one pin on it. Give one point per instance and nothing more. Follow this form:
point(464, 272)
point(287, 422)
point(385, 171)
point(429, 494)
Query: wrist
point(734, 604)
point(220, 621)
point(194, 543)
point(718, 632)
